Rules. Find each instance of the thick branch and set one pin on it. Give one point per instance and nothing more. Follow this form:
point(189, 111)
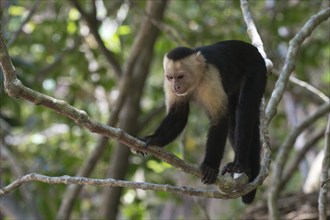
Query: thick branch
point(290, 60)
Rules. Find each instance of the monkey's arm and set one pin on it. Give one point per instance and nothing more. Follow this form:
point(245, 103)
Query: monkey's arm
point(171, 126)
point(214, 150)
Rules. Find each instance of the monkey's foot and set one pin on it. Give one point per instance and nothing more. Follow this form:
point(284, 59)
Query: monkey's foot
point(209, 174)
point(233, 168)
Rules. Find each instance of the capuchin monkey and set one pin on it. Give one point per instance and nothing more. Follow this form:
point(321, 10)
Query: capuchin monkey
point(227, 80)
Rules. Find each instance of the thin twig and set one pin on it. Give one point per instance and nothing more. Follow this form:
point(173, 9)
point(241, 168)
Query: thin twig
point(309, 88)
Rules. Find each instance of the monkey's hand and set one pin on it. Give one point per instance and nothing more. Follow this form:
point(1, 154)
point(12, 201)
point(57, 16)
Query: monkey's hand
point(209, 174)
point(148, 140)
point(151, 140)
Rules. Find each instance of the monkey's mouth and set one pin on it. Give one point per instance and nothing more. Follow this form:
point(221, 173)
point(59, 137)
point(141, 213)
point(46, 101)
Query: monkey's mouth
point(180, 93)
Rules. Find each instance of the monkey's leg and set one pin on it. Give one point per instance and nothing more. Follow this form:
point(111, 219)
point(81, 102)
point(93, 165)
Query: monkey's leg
point(233, 99)
point(247, 115)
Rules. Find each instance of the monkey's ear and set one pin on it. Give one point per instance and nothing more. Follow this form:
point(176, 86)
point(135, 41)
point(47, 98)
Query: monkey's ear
point(200, 58)
point(165, 61)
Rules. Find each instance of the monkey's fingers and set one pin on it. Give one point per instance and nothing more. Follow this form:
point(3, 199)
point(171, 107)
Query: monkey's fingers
point(140, 153)
point(209, 174)
point(228, 168)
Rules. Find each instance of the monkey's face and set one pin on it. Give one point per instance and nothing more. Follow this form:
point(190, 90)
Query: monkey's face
point(179, 81)
point(183, 76)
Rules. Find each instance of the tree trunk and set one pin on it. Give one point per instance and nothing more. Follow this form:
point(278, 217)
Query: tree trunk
point(131, 109)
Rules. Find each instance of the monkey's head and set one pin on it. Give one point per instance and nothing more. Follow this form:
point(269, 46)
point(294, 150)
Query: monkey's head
point(183, 69)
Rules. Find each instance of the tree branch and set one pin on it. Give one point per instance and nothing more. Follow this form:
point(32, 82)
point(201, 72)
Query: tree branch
point(283, 154)
point(67, 180)
point(309, 88)
point(290, 60)
point(253, 33)
point(323, 200)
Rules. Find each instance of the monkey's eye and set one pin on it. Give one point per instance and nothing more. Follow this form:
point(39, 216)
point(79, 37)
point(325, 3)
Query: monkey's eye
point(180, 77)
point(169, 77)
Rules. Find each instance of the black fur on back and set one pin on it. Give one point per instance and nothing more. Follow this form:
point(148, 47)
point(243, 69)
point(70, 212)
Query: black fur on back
point(179, 53)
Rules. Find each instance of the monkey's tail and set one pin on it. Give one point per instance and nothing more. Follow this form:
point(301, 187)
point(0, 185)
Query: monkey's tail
point(254, 163)
point(252, 173)
point(248, 198)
